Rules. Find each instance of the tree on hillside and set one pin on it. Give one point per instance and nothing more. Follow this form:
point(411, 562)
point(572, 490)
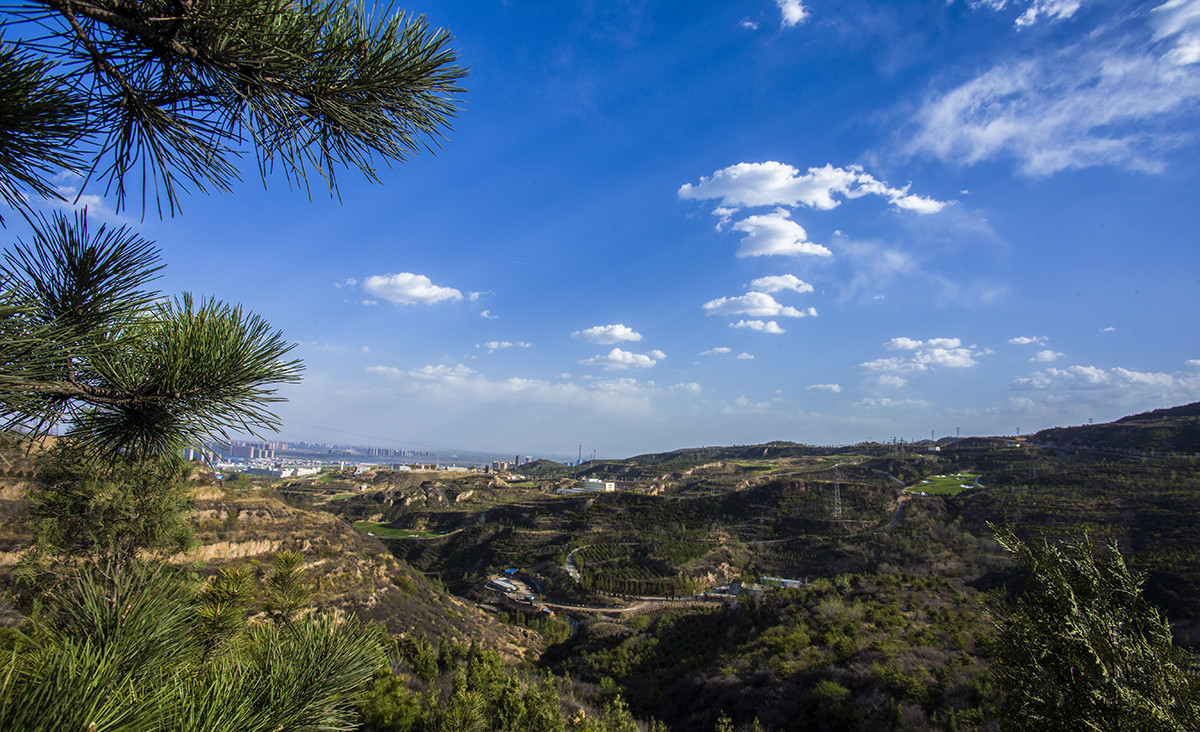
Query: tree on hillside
point(1082, 649)
point(168, 93)
point(106, 509)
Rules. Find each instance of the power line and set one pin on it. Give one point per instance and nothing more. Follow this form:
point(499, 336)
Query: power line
point(837, 493)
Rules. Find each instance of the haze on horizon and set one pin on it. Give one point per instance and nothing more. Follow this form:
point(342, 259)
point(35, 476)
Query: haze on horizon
point(663, 225)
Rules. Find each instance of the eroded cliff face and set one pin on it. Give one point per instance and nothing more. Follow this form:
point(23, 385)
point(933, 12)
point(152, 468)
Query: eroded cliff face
point(350, 571)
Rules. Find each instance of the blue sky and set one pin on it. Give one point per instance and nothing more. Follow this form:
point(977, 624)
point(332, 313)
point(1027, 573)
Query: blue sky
point(667, 224)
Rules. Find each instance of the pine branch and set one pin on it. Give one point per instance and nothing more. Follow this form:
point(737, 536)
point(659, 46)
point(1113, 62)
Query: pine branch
point(82, 342)
point(180, 88)
point(40, 121)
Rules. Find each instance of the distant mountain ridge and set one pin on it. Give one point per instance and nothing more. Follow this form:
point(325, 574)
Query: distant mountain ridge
point(766, 451)
point(1174, 429)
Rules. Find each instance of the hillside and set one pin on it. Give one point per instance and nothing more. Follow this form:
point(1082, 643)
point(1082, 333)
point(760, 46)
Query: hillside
point(884, 626)
point(1173, 430)
point(350, 570)
point(767, 451)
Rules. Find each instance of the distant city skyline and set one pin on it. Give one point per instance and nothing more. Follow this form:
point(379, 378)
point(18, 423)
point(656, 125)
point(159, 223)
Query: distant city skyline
point(666, 225)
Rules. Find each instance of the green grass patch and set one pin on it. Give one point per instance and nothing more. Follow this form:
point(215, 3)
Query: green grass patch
point(944, 485)
point(757, 466)
point(526, 484)
point(391, 532)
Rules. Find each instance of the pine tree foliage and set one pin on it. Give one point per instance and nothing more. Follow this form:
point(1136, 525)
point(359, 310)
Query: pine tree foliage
point(110, 509)
point(222, 606)
point(1082, 649)
point(477, 691)
point(172, 92)
point(83, 341)
point(286, 591)
point(39, 124)
point(124, 651)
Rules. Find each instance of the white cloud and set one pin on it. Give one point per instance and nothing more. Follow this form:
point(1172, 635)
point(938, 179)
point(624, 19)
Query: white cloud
point(954, 358)
point(439, 388)
point(493, 346)
point(718, 351)
point(890, 381)
point(877, 268)
point(932, 353)
point(743, 402)
point(903, 344)
point(779, 283)
point(1193, 363)
point(767, 326)
point(943, 343)
point(690, 387)
point(828, 388)
point(1052, 9)
point(909, 344)
point(757, 304)
point(441, 372)
point(1109, 329)
point(1179, 20)
point(1022, 404)
point(608, 334)
point(348, 282)
point(72, 200)
point(1028, 340)
point(390, 372)
point(1114, 386)
point(407, 288)
point(487, 315)
point(894, 363)
point(618, 359)
point(885, 402)
point(1037, 9)
point(1072, 377)
point(623, 385)
point(930, 346)
point(775, 234)
point(1046, 356)
point(745, 357)
point(425, 373)
point(777, 184)
point(1110, 100)
point(332, 347)
point(794, 12)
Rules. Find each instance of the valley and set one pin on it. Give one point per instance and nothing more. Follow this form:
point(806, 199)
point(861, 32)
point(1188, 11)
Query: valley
point(672, 587)
point(774, 587)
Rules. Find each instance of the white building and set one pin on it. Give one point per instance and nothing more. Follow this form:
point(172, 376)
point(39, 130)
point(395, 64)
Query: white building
point(590, 485)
